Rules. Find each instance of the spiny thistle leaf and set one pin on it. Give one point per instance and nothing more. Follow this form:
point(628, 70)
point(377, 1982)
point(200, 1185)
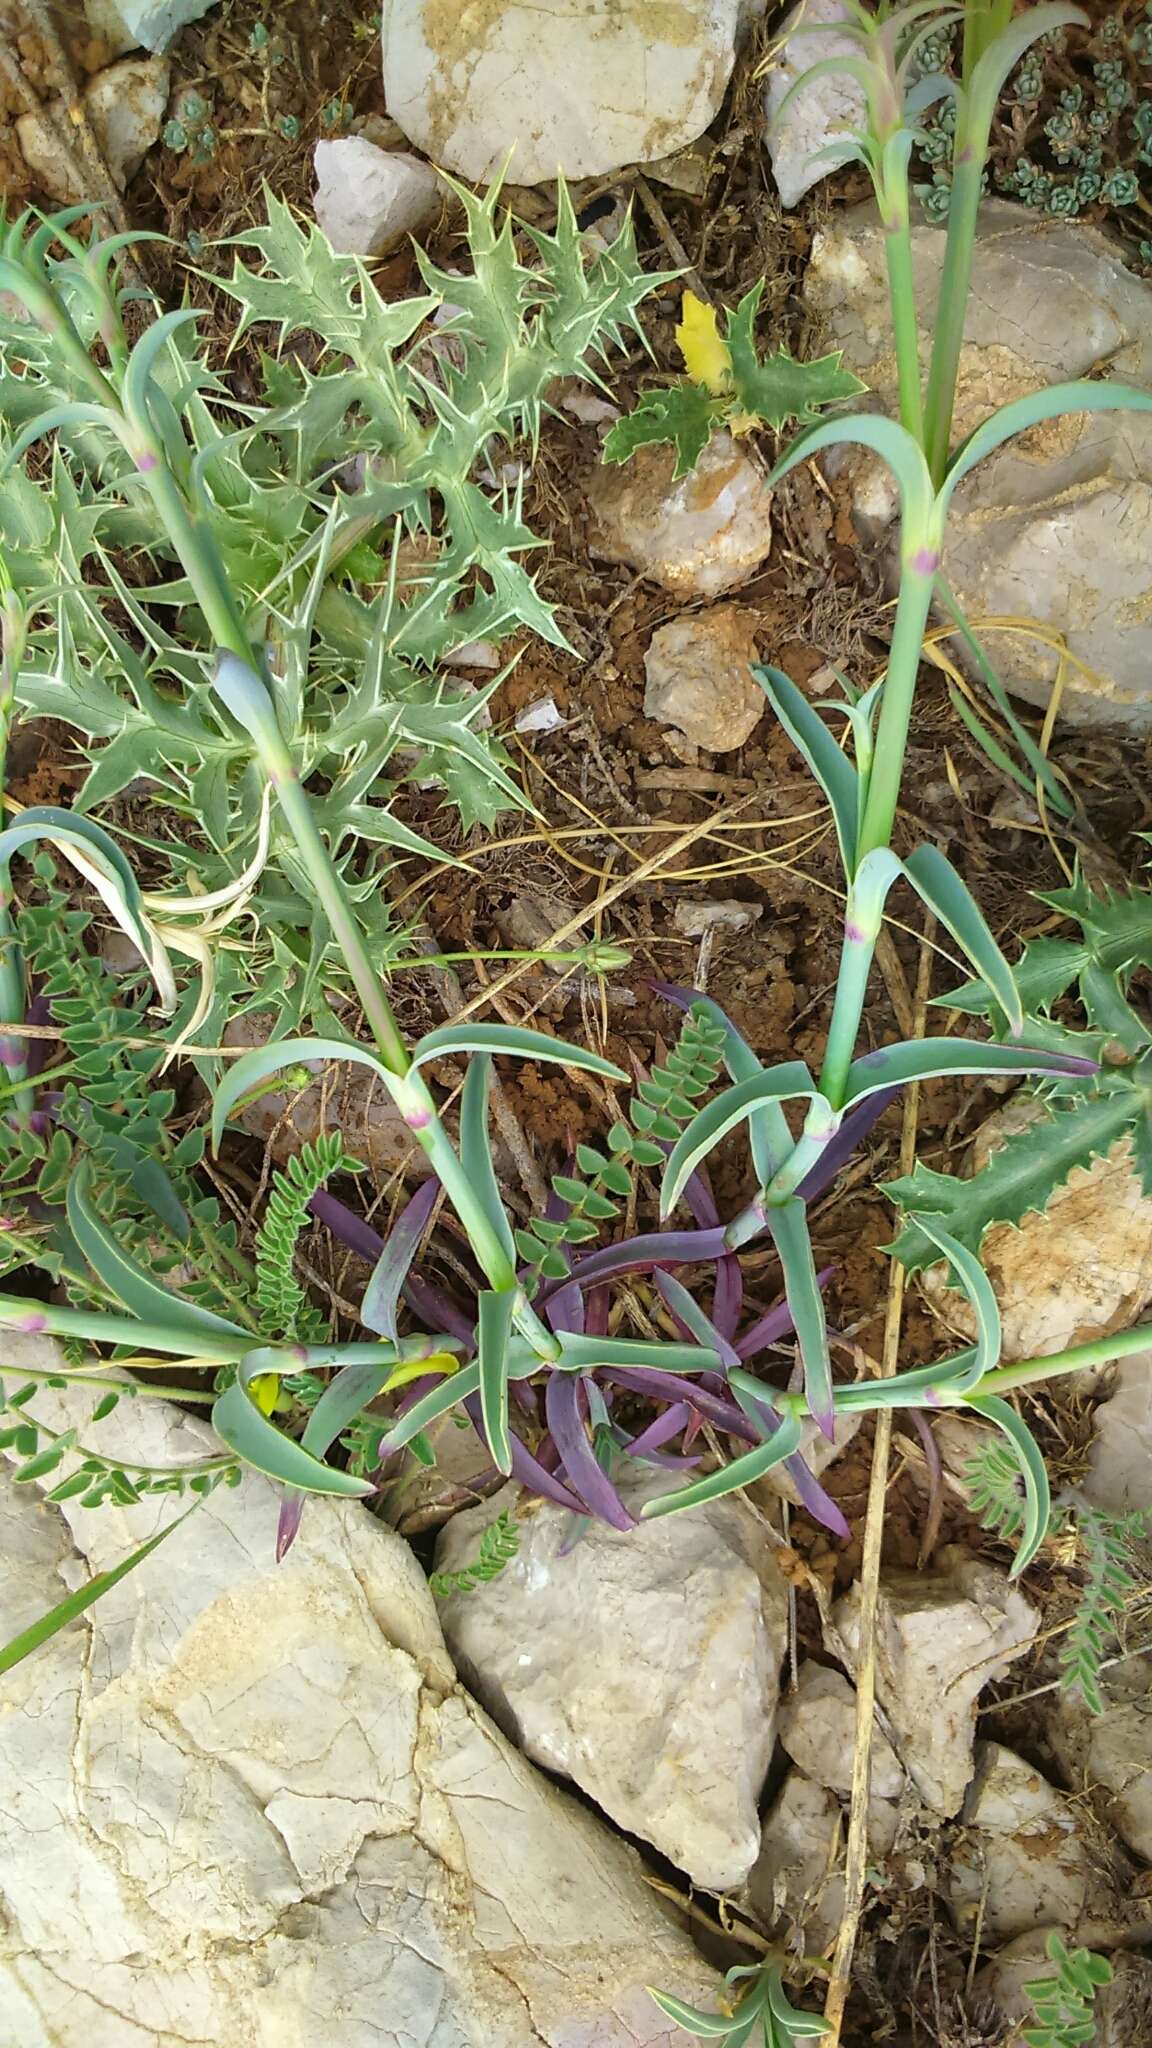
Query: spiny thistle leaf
point(685, 414)
point(778, 390)
point(1021, 1175)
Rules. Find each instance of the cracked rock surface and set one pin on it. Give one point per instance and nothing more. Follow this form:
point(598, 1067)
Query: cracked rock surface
point(574, 86)
point(642, 1664)
point(1056, 525)
point(941, 1637)
point(249, 1804)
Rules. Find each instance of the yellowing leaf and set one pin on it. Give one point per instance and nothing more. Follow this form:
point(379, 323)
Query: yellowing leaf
point(706, 356)
point(264, 1390)
point(415, 1369)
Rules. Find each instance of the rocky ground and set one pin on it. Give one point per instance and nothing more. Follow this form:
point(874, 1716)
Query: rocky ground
point(307, 1802)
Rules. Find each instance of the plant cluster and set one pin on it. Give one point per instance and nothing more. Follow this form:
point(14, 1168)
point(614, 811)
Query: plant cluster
point(274, 668)
point(1063, 2003)
point(1074, 128)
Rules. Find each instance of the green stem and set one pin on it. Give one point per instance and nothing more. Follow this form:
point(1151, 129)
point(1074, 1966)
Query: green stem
point(902, 304)
point(36, 1318)
point(1027, 1372)
point(199, 560)
point(918, 574)
point(952, 302)
point(134, 1389)
point(857, 950)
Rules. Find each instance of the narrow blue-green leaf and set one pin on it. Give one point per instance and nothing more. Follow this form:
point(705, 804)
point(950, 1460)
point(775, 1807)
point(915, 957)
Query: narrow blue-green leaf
point(476, 1149)
point(138, 374)
point(926, 1059)
point(48, 1625)
point(579, 1353)
point(1005, 51)
point(435, 1403)
point(888, 439)
point(263, 1060)
point(926, 1386)
point(828, 762)
point(788, 1224)
point(981, 1294)
point(1055, 401)
point(707, 2026)
point(935, 879)
point(1033, 1472)
point(78, 414)
point(239, 1423)
point(124, 1276)
point(718, 1117)
point(346, 1394)
point(525, 1045)
point(798, 2026)
point(69, 828)
point(493, 1330)
point(381, 1302)
point(741, 1472)
point(768, 1127)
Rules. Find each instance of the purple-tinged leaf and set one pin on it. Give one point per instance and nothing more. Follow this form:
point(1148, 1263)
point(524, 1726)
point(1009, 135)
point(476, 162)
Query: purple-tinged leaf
point(526, 1470)
point(288, 1523)
point(839, 1150)
point(674, 1419)
point(691, 1319)
point(642, 1254)
point(643, 1379)
point(346, 1226)
point(775, 1325)
point(439, 1310)
point(431, 1304)
point(820, 1505)
point(728, 1296)
point(596, 1312)
point(382, 1294)
point(564, 1407)
point(563, 1309)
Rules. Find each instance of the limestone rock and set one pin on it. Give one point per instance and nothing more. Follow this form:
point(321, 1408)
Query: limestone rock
point(1081, 1269)
point(125, 105)
point(799, 1872)
point(698, 537)
point(817, 1727)
point(699, 677)
point(941, 1638)
point(1111, 1753)
point(1056, 525)
point(368, 200)
point(642, 1664)
point(470, 84)
point(248, 1802)
point(1122, 2010)
point(1023, 1862)
point(1119, 1475)
point(819, 114)
point(154, 24)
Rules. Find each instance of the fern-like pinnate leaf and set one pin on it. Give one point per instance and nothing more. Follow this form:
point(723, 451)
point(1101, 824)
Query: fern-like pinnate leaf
point(499, 1544)
point(1063, 2002)
point(285, 1313)
point(995, 1490)
point(663, 1104)
point(1105, 1556)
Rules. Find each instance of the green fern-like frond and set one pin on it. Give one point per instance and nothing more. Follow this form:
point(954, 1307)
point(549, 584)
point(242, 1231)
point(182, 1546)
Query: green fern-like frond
point(499, 1544)
point(995, 1490)
point(38, 1452)
point(1110, 1577)
point(284, 1309)
point(1063, 2002)
point(662, 1105)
